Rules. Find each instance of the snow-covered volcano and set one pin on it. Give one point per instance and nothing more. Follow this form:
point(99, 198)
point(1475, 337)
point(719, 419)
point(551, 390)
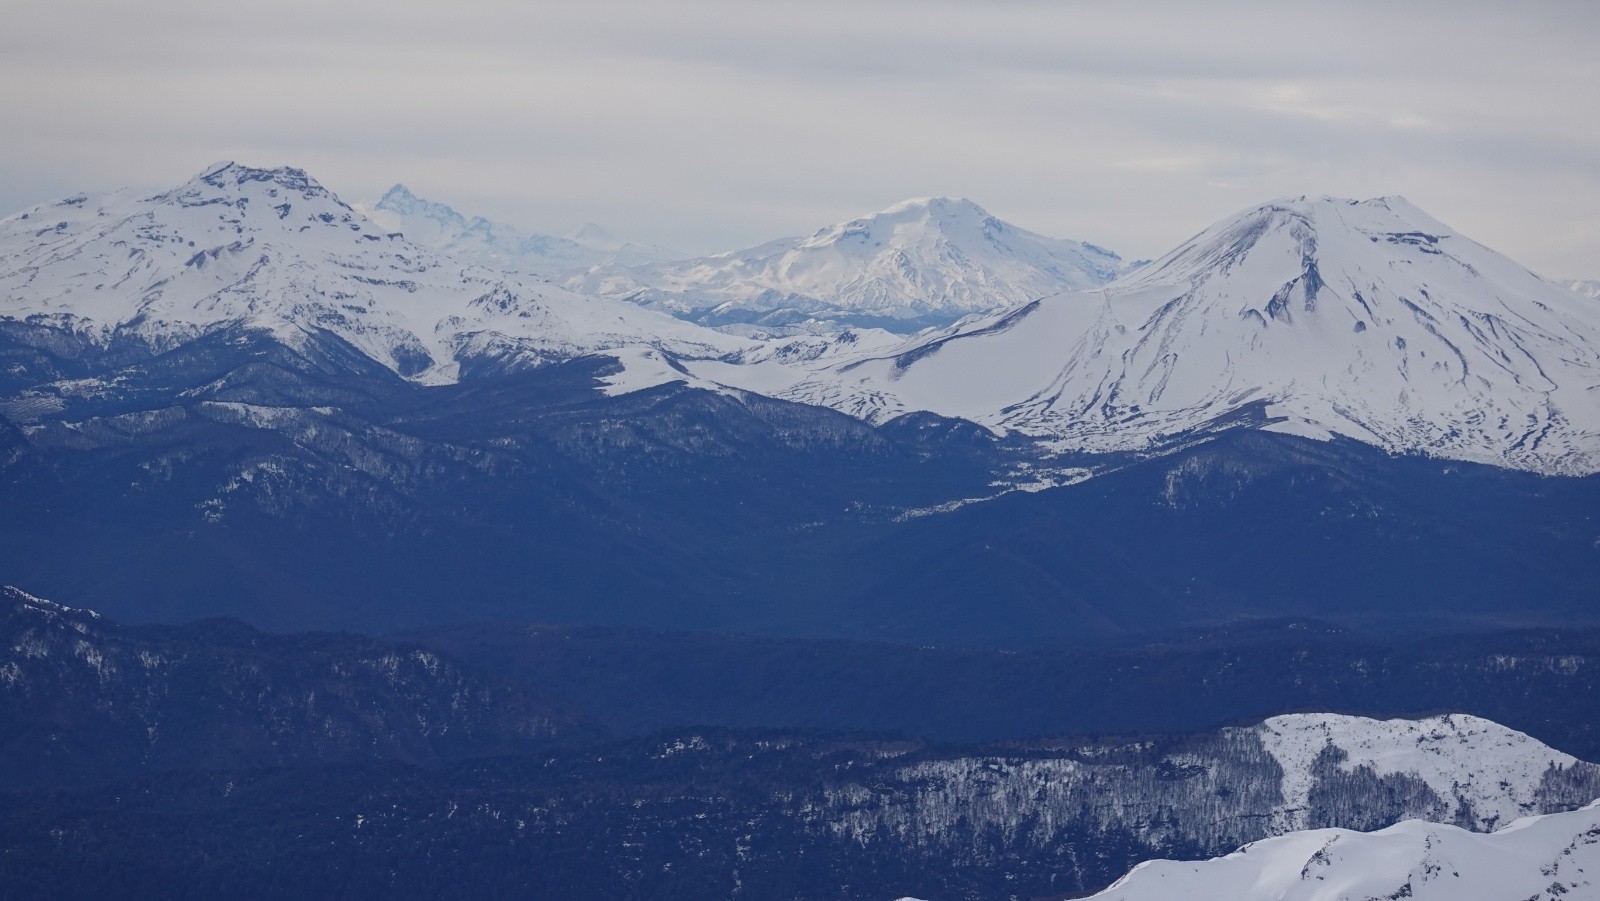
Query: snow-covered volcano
point(273, 249)
point(919, 262)
point(1316, 316)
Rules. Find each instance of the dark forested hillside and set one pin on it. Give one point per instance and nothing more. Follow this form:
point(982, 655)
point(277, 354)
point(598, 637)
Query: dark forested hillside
point(1543, 682)
point(688, 816)
point(85, 700)
point(213, 759)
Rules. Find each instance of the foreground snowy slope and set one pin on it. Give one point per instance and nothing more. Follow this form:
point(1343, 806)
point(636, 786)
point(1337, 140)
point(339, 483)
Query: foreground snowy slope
point(272, 249)
point(1544, 858)
point(1314, 316)
point(919, 262)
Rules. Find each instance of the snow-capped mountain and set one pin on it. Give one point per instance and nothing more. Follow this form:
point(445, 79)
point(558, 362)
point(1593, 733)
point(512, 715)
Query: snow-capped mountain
point(496, 245)
point(917, 263)
point(1543, 858)
point(1313, 316)
point(1585, 287)
point(272, 249)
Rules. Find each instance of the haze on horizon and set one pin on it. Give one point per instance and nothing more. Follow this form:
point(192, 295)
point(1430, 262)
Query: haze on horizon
point(706, 125)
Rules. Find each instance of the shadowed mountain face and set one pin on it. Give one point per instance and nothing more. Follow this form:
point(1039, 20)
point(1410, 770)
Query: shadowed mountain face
point(307, 487)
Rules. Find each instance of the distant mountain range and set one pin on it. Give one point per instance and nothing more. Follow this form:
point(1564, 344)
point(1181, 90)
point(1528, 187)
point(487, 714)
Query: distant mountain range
point(922, 262)
point(498, 246)
point(1589, 288)
point(919, 263)
point(1317, 317)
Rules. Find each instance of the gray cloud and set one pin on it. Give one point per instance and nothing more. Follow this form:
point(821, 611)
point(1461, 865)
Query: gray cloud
point(706, 124)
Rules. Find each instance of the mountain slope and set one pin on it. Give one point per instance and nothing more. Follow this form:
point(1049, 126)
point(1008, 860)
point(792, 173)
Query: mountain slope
point(1548, 858)
point(1588, 288)
point(917, 263)
point(498, 246)
point(1315, 316)
point(271, 249)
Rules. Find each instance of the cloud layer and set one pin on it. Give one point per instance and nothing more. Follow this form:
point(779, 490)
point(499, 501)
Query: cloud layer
point(705, 124)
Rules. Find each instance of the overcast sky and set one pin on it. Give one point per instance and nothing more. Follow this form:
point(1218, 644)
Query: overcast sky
point(710, 125)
